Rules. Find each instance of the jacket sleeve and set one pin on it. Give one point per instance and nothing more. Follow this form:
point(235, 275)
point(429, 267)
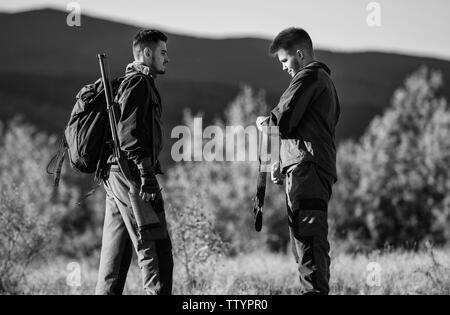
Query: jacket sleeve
point(132, 129)
point(293, 104)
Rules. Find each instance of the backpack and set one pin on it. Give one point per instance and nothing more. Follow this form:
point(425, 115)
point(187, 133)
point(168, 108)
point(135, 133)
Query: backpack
point(87, 132)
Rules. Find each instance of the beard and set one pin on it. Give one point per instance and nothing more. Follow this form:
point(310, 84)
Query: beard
point(159, 69)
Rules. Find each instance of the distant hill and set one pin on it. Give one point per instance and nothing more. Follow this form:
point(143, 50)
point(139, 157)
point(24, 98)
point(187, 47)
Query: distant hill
point(45, 62)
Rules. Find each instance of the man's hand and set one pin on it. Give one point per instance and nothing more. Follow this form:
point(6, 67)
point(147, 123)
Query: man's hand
point(146, 196)
point(149, 187)
point(275, 174)
point(149, 184)
point(261, 121)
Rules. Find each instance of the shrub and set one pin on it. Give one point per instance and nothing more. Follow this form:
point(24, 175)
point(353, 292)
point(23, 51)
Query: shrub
point(196, 245)
point(33, 224)
point(393, 184)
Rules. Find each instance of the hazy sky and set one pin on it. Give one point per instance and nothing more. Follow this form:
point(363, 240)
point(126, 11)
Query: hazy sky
point(416, 27)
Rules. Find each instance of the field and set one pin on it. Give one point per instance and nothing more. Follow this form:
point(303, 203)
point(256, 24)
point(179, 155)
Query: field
point(394, 272)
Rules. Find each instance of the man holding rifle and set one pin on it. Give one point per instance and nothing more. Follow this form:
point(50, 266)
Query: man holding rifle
point(134, 216)
point(306, 117)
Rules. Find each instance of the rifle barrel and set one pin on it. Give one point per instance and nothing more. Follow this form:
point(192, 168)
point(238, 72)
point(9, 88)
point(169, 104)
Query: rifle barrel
point(108, 93)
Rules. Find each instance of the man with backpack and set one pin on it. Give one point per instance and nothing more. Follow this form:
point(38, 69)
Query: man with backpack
point(134, 216)
point(306, 117)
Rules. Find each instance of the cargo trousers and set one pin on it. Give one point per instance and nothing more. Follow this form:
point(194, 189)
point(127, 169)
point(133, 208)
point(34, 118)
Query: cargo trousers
point(121, 236)
point(308, 191)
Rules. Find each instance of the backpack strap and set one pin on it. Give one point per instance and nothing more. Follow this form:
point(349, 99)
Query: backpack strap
point(54, 167)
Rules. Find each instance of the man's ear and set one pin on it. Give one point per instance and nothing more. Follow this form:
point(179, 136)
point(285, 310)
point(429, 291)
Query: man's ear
point(299, 54)
point(147, 52)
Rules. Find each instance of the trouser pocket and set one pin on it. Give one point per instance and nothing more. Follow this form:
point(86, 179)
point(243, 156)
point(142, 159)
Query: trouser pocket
point(310, 223)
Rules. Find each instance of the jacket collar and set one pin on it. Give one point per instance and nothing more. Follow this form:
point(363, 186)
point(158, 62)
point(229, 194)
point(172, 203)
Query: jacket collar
point(136, 67)
point(311, 67)
point(318, 64)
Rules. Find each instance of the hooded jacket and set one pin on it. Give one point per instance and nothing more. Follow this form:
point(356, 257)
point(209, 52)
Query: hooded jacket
point(139, 126)
point(306, 116)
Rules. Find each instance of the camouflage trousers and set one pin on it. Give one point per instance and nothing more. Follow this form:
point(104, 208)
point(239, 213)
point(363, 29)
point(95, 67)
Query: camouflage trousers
point(308, 191)
point(121, 236)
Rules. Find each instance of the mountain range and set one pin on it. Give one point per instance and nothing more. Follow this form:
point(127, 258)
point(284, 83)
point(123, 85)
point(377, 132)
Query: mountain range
point(45, 62)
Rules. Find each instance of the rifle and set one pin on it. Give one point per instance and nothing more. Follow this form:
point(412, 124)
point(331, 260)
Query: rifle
point(144, 219)
point(260, 190)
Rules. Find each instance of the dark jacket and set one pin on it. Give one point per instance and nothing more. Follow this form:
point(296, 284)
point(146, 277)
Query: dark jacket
point(139, 127)
point(306, 115)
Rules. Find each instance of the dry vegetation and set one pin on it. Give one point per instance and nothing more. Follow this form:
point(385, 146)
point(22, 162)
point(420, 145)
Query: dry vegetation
point(425, 272)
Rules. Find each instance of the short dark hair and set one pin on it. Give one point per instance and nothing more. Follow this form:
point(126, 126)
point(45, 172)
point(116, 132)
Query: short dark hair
point(148, 37)
point(289, 38)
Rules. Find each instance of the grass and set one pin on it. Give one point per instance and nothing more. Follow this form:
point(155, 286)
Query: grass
point(401, 272)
